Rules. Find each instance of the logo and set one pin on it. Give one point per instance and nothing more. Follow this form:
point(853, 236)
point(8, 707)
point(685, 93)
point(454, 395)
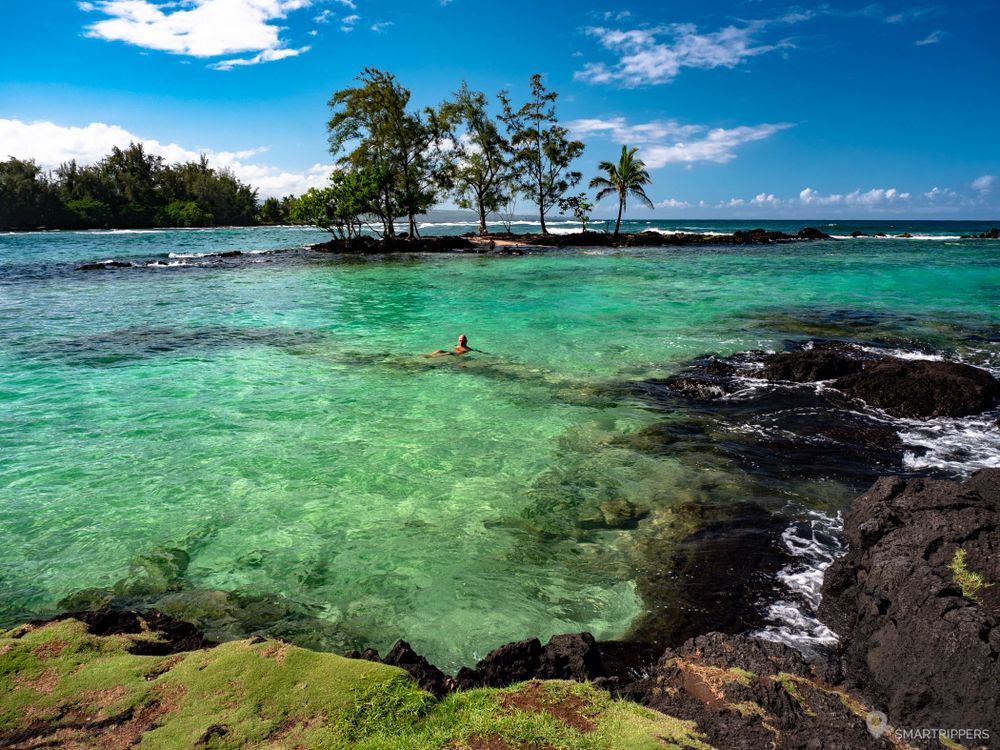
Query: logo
point(878, 723)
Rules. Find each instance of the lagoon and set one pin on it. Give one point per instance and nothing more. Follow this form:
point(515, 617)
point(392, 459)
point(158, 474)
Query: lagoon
point(256, 439)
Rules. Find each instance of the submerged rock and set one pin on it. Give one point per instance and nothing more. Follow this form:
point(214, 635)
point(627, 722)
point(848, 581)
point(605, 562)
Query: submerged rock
point(615, 514)
point(911, 636)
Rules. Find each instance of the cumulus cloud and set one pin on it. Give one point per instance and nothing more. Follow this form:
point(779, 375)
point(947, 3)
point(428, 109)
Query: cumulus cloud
point(985, 183)
point(663, 142)
point(936, 193)
point(381, 26)
point(657, 54)
point(347, 22)
point(199, 28)
point(51, 144)
point(672, 203)
point(873, 197)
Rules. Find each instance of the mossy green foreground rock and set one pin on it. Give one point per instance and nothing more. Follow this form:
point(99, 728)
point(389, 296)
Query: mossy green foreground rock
point(61, 686)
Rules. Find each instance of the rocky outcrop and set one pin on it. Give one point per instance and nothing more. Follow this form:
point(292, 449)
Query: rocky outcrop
point(922, 388)
point(920, 635)
point(652, 238)
point(748, 693)
point(366, 245)
point(810, 365)
point(909, 388)
point(811, 233)
point(989, 234)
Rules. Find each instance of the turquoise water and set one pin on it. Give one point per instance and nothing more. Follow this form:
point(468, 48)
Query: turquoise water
point(269, 415)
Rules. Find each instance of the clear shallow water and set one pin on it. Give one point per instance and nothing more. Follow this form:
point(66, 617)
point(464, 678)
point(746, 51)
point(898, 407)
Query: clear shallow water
point(269, 415)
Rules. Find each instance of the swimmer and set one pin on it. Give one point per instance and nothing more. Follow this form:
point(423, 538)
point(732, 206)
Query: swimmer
point(462, 348)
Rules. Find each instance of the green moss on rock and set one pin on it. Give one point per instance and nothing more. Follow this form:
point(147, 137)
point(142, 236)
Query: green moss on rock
point(60, 685)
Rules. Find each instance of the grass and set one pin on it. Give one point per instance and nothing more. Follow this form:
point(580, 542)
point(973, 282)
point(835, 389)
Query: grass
point(61, 685)
point(971, 583)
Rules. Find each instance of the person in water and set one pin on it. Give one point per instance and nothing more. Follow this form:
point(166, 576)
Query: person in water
point(462, 348)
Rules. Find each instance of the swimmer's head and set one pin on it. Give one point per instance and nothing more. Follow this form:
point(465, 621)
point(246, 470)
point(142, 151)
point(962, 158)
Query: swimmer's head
point(463, 340)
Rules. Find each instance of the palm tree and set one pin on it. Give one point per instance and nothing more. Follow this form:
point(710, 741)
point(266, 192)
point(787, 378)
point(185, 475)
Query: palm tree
point(626, 178)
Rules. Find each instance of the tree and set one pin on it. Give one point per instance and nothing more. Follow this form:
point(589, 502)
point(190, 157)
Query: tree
point(579, 206)
point(627, 177)
point(184, 214)
point(87, 213)
point(541, 151)
point(342, 208)
point(130, 179)
point(270, 212)
point(482, 168)
point(28, 199)
point(405, 149)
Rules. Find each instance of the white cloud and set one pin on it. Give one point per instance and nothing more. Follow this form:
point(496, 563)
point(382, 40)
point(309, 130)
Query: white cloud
point(199, 28)
point(324, 16)
point(50, 145)
point(933, 38)
point(268, 55)
point(347, 22)
point(381, 26)
point(718, 145)
point(673, 203)
point(984, 184)
point(765, 199)
point(873, 197)
point(619, 129)
point(348, 4)
point(664, 142)
point(657, 54)
point(936, 193)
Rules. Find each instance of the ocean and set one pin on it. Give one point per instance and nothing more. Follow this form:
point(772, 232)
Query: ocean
point(254, 442)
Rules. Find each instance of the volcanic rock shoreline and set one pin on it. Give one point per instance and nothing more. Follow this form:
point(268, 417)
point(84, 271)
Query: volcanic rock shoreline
point(917, 641)
point(507, 243)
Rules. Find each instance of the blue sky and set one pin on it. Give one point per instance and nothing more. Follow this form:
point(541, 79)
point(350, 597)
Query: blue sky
point(741, 109)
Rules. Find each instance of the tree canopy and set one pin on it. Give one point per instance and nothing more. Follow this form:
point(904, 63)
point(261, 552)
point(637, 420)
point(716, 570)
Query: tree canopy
point(626, 178)
point(129, 188)
point(541, 149)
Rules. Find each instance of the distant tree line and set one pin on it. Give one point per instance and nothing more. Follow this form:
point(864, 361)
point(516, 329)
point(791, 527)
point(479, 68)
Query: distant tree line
point(130, 188)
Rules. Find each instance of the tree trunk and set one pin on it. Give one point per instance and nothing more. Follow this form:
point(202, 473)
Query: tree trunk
point(482, 219)
point(618, 223)
point(541, 218)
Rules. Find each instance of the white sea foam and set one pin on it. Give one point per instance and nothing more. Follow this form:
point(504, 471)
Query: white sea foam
point(903, 353)
point(491, 222)
point(941, 237)
point(814, 543)
point(706, 232)
point(217, 252)
point(958, 446)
